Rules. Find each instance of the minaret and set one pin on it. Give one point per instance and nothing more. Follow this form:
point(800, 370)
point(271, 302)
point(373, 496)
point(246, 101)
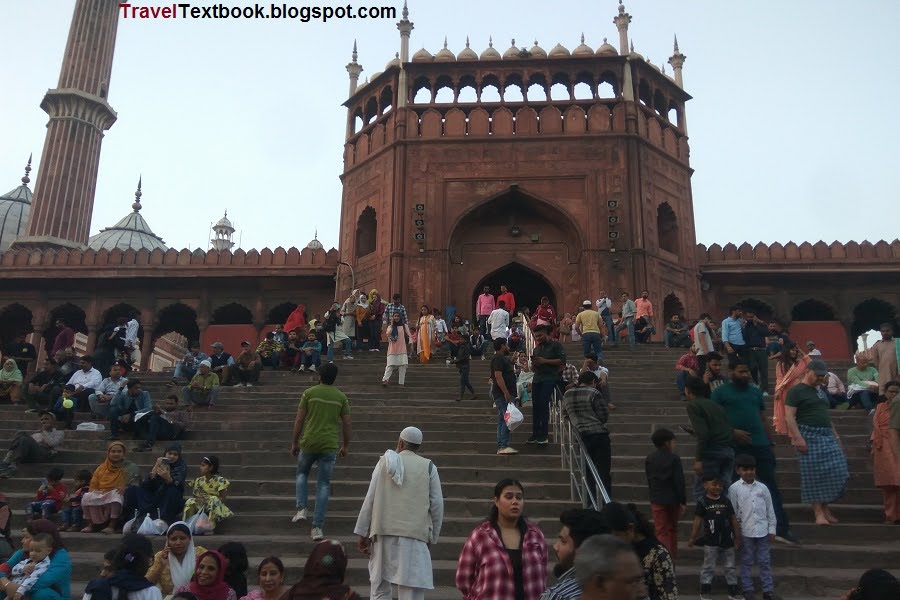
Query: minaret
point(79, 114)
point(353, 69)
point(224, 230)
point(677, 61)
point(621, 21)
point(405, 27)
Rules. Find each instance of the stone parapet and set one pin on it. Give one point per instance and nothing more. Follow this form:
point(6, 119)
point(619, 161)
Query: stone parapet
point(30, 263)
point(881, 254)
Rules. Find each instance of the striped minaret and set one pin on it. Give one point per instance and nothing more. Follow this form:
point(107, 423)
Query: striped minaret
point(79, 114)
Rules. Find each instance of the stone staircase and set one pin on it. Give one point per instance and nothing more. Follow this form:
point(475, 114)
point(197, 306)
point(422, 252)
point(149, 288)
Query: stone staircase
point(250, 432)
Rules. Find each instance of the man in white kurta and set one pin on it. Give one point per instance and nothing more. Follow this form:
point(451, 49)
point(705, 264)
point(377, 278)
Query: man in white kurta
point(399, 519)
point(499, 322)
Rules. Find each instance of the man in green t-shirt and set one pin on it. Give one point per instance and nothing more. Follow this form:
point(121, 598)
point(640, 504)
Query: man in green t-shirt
point(321, 408)
point(745, 407)
point(823, 465)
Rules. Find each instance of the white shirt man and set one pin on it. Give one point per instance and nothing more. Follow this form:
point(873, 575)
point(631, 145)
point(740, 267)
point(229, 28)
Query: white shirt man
point(86, 379)
point(703, 339)
point(400, 517)
point(499, 323)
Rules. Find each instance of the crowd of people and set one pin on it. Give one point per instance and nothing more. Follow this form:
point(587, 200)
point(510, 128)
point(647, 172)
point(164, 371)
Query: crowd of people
point(614, 553)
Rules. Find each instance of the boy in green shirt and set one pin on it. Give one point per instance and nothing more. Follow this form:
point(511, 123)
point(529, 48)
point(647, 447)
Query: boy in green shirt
point(321, 408)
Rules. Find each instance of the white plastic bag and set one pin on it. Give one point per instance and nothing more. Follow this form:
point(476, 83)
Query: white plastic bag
point(147, 526)
point(200, 524)
point(513, 416)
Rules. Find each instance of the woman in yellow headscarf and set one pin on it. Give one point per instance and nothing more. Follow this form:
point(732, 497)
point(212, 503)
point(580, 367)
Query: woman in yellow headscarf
point(103, 502)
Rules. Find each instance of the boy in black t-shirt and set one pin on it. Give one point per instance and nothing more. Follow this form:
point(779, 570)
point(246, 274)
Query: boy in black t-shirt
point(721, 535)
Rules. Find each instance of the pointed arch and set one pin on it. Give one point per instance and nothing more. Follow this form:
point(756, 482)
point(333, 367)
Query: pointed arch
point(180, 318)
point(813, 310)
point(366, 231)
point(232, 314)
point(871, 314)
point(526, 284)
point(667, 228)
point(15, 319)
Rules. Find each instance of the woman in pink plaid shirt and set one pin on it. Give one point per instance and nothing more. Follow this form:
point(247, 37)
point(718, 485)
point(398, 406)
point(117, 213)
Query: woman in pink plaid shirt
point(505, 558)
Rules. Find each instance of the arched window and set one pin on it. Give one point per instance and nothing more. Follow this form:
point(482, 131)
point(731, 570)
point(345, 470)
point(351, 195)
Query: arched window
point(667, 228)
point(366, 228)
point(812, 310)
point(231, 314)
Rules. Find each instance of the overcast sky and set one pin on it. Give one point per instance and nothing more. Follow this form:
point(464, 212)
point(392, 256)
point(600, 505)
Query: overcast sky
point(793, 124)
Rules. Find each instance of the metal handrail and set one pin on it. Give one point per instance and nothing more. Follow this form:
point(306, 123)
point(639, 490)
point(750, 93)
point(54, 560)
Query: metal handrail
point(573, 453)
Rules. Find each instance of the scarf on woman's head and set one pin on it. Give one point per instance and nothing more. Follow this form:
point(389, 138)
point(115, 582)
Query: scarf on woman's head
point(219, 589)
point(177, 469)
point(10, 375)
point(323, 575)
point(108, 475)
point(45, 526)
point(182, 571)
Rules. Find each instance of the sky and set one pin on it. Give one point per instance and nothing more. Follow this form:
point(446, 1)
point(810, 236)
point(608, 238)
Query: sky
point(792, 125)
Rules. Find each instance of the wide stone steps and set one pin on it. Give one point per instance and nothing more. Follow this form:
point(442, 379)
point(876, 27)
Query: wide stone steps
point(249, 430)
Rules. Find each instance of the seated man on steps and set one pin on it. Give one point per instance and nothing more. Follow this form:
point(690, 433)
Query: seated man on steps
point(106, 391)
point(127, 406)
point(221, 363)
point(248, 366)
point(85, 380)
point(676, 333)
point(40, 447)
point(270, 351)
point(166, 423)
point(310, 353)
point(187, 366)
point(44, 387)
point(203, 388)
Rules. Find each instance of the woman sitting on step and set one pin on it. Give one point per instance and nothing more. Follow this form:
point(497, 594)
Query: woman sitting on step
point(161, 493)
point(174, 565)
point(208, 582)
point(626, 522)
point(270, 578)
point(103, 503)
point(209, 492)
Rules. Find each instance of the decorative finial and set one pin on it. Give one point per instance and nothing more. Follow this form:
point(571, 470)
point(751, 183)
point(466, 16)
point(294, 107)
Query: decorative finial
point(621, 8)
point(490, 41)
point(632, 46)
point(582, 37)
point(316, 235)
point(514, 42)
point(445, 42)
point(354, 55)
point(604, 40)
point(664, 68)
point(137, 195)
point(676, 43)
point(467, 41)
point(26, 180)
point(405, 11)
point(535, 42)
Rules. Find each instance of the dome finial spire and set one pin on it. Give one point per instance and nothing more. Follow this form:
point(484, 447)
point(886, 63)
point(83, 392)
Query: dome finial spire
point(445, 42)
point(490, 41)
point(676, 43)
point(405, 11)
point(467, 41)
point(26, 180)
point(355, 54)
point(582, 37)
point(137, 195)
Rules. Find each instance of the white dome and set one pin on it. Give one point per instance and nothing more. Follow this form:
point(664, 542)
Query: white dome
point(513, 52)
point(583, 49)
point(15, 206)
point(315, 244)
point(537, 52)
point(559, 51)
point(607, 49)
point(444, 54)
point(422, 55)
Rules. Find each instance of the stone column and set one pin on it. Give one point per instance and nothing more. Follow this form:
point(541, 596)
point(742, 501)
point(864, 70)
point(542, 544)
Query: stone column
point(621, 21)
point(79, 114)
point(147, 345)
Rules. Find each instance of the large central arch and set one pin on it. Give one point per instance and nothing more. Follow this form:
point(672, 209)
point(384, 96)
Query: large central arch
point(522, 238)
point(527, 286)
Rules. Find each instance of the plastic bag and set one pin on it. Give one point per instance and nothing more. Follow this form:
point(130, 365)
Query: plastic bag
point(201, 524)
point(513, 416)
point(147, 526)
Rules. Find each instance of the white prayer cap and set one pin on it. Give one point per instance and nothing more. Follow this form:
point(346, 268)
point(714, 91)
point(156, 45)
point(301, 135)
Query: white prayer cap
point(413, 435)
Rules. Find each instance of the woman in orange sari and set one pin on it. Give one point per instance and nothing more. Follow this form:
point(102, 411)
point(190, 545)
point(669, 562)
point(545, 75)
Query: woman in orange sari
point(426, 334)
point(886, 450)
point(789, 371)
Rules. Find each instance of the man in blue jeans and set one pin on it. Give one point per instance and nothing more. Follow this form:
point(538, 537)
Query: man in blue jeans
point(629, 308)
point(315, 440)
point(591, 328)
point(548, 358)
point(503, 392)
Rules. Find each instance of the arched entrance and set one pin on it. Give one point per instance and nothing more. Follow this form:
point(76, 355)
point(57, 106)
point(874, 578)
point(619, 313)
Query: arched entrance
point(527, 286)
point(869, 315)
point(521, 240)
point(15, 319)
point(672, 306)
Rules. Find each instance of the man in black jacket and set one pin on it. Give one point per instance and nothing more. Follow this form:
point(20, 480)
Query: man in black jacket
point(755, 334)
point(668, 497)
